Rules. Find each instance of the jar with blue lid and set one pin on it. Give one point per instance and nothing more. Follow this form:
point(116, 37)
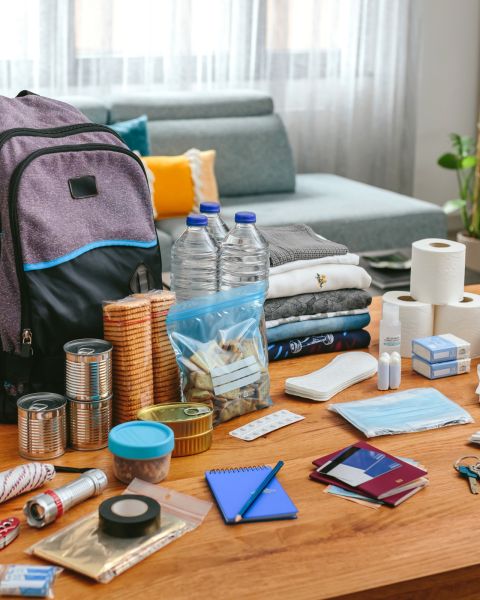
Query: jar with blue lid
point(141, 450)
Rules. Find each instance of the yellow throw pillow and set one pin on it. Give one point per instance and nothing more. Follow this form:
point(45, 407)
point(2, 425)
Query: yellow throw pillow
point(181, 183)
point(209, 187)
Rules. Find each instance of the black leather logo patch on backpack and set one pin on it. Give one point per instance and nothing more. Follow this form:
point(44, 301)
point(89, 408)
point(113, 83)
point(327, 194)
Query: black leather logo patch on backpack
point(83, 187)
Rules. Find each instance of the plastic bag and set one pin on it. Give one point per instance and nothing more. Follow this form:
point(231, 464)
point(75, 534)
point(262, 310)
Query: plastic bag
point(84, 548)
point(403, 412)
point(218, 346)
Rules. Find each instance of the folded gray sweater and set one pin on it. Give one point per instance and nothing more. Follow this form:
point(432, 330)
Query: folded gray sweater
point(298, 242)
point(312, 304)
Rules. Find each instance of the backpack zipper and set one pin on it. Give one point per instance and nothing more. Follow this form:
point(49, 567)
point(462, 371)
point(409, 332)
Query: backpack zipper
point(55, 131)
point(25, 302)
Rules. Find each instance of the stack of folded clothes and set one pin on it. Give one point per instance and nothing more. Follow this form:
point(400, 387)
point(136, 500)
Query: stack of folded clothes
point(317, 300)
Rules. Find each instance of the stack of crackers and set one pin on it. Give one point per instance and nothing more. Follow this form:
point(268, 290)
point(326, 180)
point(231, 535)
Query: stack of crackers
point(127, 326)
point(206, 376)
point(166, 374)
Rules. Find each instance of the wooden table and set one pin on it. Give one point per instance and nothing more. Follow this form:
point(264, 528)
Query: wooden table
point(428, 546)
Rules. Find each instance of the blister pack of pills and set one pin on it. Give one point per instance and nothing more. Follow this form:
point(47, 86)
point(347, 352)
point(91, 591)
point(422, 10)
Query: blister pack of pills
point(265, 425)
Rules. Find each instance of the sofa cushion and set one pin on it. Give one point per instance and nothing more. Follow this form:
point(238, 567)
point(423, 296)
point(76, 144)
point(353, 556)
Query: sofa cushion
point(253, 153)
point(93, 108)
point(347, 212)
point(190, 105)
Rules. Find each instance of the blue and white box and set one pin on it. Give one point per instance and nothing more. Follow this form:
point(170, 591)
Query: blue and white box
point(442, 369)
point(440, 348)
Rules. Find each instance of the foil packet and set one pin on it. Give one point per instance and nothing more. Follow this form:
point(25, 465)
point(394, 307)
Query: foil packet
point(84, 548)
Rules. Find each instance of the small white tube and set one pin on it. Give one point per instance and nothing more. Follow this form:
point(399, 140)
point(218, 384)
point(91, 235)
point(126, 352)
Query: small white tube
point(395, 370)
point(384, 372)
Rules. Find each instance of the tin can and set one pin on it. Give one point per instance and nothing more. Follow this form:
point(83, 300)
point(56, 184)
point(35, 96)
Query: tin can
point(191, 422)
point(88, 369)
point(42, 426)
point(89, 423)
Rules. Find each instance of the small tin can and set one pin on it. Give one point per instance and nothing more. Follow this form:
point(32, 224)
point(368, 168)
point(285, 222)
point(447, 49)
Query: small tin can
point(89, 423)
point(42, 426)
point(88, 369)
point(191, 422)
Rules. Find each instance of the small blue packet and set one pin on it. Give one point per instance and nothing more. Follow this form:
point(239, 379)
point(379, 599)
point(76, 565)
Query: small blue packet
point(441, 348)
point(441, 369)
point(28, 580)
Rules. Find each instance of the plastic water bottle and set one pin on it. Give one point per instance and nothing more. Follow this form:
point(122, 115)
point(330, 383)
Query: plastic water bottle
point(215, 226)
point(244, 259)
point(194, 261)
point(244, 255)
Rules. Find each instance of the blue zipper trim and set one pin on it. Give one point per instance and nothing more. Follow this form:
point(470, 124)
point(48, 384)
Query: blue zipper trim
point(214, 307)
point(58, 261)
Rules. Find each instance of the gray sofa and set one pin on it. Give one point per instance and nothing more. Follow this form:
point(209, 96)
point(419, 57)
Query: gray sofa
point(255, 170)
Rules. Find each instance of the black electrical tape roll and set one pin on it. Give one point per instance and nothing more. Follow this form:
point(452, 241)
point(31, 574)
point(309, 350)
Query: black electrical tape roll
point(129, 516)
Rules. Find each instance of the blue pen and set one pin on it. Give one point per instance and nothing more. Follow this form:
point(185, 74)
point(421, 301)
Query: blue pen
point(258, 491)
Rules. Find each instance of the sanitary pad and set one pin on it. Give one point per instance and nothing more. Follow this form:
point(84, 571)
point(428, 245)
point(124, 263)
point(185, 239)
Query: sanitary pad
point(344, 370)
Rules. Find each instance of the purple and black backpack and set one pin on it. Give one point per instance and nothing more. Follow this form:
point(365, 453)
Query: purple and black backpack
point(76, 228)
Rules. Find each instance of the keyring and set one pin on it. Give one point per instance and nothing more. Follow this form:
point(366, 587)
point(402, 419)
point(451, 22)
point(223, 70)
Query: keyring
point(455, 466)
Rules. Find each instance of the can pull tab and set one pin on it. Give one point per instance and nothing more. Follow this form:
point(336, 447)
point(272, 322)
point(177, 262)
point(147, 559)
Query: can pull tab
point(86, 351)
point(26, 343)
point(192, 412)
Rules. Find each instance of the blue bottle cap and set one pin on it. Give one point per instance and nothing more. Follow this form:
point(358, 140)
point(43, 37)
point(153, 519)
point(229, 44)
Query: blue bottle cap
point(141, 439)
point(245, 217)
point(209, 207)
point(197, 220)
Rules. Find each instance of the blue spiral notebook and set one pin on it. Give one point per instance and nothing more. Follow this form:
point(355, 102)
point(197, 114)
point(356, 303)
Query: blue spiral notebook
point(232, 488)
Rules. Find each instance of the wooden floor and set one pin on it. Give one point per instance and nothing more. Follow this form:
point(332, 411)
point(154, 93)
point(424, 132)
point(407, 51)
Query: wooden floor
point(429, 547)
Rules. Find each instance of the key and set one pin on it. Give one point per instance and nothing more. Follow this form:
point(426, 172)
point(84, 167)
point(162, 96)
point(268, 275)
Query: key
point(472, 477)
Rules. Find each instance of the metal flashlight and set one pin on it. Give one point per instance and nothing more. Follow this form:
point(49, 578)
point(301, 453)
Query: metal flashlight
point(45, 508)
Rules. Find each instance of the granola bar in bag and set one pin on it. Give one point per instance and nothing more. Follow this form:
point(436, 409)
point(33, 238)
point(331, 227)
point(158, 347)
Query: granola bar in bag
point(218, 346)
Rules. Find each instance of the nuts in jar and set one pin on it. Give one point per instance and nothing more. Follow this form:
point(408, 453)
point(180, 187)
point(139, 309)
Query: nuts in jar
point(141, 450)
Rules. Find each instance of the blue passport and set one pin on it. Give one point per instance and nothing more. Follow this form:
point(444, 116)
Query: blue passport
point(232, 488)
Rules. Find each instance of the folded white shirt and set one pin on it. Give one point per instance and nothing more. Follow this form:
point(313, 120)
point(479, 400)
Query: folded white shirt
point(342, 259)
point(320, 278)
point(338, 313)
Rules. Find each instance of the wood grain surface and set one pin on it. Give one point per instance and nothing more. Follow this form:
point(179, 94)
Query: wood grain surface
point(427, 547)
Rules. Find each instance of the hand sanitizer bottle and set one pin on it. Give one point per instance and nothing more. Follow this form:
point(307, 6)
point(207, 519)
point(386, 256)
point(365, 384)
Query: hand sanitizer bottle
point(390, 329)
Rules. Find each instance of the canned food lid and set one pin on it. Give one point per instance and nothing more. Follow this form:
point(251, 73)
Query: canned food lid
point(41, 402)
point(141, 439)
point(175, 411)
point(87, 347)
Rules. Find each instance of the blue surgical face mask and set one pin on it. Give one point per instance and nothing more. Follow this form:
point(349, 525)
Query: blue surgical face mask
point(403, 412)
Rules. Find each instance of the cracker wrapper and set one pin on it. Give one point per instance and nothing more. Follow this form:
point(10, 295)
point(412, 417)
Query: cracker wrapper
point(127, 326)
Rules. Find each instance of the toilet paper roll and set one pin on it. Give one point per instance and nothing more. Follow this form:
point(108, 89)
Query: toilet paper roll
point(438, 271)
point(416, 317)
point(461, 319)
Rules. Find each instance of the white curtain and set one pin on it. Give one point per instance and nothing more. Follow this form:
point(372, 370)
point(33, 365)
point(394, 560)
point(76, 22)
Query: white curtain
point(343, 73)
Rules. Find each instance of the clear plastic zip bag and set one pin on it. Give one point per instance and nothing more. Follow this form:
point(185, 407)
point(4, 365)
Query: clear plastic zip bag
point(84, 548)
point(218, 346)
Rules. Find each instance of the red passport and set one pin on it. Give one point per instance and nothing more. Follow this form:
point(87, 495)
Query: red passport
point(377, 487)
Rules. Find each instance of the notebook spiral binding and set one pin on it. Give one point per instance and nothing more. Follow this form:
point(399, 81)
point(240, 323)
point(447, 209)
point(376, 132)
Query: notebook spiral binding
point(238, 470)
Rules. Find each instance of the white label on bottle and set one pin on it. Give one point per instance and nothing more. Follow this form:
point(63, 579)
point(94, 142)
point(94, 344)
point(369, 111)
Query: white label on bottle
point(392, 340)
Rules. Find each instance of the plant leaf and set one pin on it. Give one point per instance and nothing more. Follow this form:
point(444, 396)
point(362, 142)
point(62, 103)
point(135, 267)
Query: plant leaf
point(456, 140)
point(468, 162)
point(452, 206)
point(449, 161)
point(467, 145)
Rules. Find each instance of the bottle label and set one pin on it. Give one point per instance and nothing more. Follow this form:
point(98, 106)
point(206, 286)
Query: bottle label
point(392, 340)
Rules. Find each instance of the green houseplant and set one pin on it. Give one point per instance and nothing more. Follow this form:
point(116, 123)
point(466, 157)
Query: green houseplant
point(465, 161)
